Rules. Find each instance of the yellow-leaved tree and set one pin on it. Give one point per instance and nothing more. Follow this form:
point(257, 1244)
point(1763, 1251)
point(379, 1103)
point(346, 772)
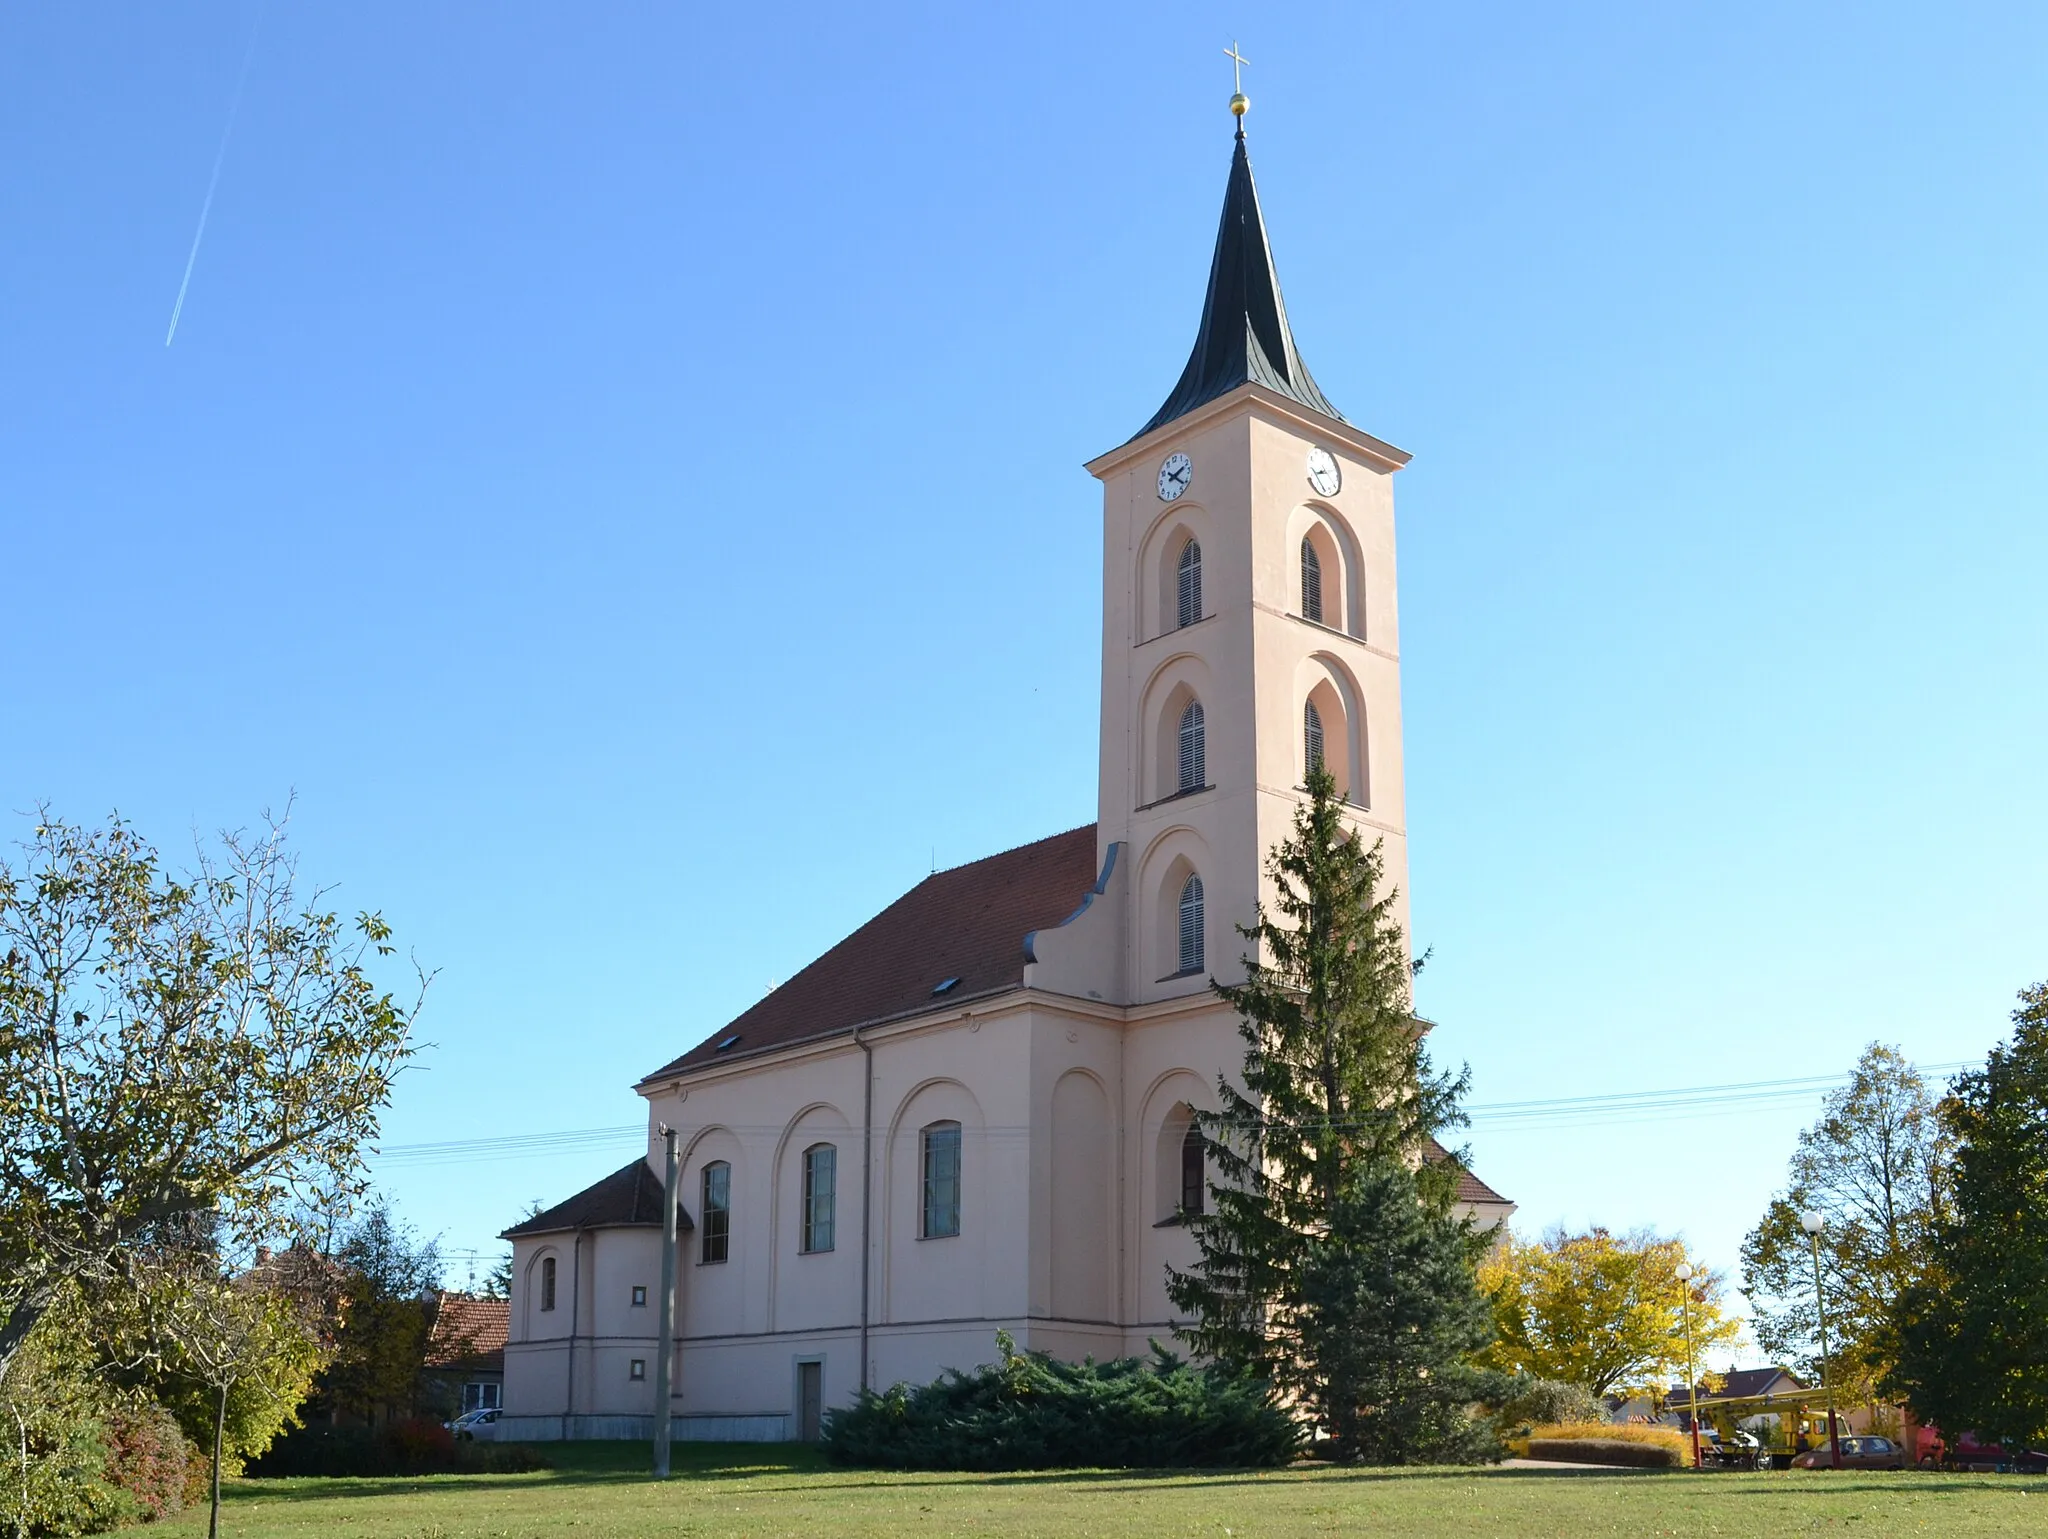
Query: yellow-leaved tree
point(1602, 1310)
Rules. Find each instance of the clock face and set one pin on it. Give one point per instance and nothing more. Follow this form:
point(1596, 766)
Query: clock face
point(1323, 474)
point(1174, 476)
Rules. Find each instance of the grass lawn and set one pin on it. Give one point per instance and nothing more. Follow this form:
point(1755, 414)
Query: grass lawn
point(601, 1490)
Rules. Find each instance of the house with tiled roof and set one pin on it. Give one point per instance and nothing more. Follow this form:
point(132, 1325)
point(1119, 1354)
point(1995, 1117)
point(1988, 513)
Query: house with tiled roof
point(463, 1367)
point(976, 1112)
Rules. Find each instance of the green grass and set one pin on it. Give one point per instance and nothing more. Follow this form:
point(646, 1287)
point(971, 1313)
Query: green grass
point(599, 1491)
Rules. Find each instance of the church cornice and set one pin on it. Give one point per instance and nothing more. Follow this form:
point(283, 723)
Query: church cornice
point(1266, 404)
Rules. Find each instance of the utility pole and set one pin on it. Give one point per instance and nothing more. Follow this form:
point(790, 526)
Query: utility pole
point(1813, 1223)
point(664, 1363)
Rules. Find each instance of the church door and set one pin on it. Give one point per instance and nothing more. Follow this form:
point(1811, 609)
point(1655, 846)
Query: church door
point(810, 1400)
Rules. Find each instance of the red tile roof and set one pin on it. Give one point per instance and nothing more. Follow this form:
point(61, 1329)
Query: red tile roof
point(469, 1332)
point(1470, 1187)
point(966, 924)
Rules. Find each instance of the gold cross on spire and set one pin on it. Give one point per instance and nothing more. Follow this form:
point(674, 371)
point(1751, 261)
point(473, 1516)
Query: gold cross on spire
point(1239, 102)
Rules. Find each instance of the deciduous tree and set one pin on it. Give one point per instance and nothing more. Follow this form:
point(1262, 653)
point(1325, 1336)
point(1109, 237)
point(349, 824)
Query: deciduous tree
point(211, 1042)
point(1874, 1167)
point(1602, 1310)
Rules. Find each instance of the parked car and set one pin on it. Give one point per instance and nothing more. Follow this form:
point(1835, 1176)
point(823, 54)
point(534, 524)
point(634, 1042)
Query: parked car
point(1968, 1453)
point(475, 1426)
point(1858, 1453)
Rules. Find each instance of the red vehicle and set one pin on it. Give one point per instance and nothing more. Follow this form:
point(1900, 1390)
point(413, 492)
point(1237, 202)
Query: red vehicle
point(1967, 1453)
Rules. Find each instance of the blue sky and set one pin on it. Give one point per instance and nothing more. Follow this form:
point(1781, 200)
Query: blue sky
point(620, 467)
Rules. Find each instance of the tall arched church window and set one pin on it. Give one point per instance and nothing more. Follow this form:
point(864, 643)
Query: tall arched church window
point(1190, 606)
point(1194, 758)
point(941, 1160)
point(547, 1282)
point(1311, 735)
point(1193, 1171)
point(1311, 583)
point(1191, 925)
point(821, 1185)
point(716, 1214)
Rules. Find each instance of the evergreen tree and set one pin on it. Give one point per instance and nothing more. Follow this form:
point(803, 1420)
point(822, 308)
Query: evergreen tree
point(1973, 1333)
point(1330, 1261)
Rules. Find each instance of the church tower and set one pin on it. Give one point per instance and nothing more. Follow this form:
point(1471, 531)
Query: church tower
point(1248, 625)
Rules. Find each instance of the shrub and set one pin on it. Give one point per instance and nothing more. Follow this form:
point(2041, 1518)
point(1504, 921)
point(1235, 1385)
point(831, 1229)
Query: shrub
point(1535, 1402)
point(1604, 1442)
point(1031, 1411)
point(53, 1459)
point(149, 1458)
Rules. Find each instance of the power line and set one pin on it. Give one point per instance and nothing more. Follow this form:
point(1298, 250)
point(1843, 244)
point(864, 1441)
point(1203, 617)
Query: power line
point(1614, 1109)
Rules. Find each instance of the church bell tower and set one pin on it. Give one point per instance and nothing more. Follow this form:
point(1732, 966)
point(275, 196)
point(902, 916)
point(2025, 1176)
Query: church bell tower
point(1249, 624)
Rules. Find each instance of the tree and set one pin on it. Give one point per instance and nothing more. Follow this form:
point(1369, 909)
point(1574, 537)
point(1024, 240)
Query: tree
point(1874, 1167)
point(205, 1043)
point(1320, 1156)
point(381, 1344)
point(234, 1340)
point(1601, 1310)
point(1973, 1331)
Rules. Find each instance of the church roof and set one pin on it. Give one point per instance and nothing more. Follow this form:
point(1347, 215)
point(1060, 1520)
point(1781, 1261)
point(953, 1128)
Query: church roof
point(628, 1198)
point(1470, 1187)
point(966, 925)
point(1244, 337)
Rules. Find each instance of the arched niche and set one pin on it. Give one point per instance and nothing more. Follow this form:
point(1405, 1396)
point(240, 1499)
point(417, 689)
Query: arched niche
point(1342, 568)
point(1157, 579)
point(1326, 685)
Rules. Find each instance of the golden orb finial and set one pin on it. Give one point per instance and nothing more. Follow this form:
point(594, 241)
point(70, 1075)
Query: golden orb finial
point(1240, 103)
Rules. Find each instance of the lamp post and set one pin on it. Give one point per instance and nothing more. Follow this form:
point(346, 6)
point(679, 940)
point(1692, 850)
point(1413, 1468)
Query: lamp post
point(1813, 1223)
point(1692, 1376)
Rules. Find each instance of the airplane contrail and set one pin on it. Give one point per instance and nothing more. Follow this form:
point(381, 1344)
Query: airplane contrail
point(219, 159)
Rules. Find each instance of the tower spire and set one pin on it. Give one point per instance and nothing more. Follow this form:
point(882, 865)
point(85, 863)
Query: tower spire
point(1244, 336)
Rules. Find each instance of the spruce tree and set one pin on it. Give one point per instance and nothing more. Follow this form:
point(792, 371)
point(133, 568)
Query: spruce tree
point(1331, 1262)
point(1973, 1332)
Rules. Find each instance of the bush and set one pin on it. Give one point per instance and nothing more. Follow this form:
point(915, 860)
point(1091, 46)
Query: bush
point(149, 1458)
point(1604, 1442)
point(1536, 1402)
point(406, 1448)
point(1607, 1450)
point(1031, 1411)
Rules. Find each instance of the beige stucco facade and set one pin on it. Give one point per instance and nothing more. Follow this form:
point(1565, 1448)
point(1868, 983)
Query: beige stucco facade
point(1073, 1091)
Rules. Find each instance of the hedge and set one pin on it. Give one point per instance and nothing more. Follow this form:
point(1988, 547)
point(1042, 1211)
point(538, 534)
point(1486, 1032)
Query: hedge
point(1032, 1411)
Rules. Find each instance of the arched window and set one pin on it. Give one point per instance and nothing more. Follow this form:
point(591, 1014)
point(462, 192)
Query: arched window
point(1312, 736)
point(1194, 758)
point(1190, 607)
point(1193, 1171)
point(716, 1220)
point(1191, 925)
point(1311, 583)
point(821, 1186)
point(547, 1282)
point(941, 1159)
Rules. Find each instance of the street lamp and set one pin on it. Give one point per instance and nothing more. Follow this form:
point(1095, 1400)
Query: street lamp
point(1692, 1377)
point(1813, 1223)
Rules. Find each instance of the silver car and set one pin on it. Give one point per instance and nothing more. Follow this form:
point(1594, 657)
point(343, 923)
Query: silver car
point(476, 1426)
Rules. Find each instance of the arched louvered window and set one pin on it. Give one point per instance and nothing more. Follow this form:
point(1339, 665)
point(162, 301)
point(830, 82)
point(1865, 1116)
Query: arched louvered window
point(1193, 1171)
point(1194, 760)
point(1190, 608)
point(1191, 925)
point(1311, 583)
point(1312, 735)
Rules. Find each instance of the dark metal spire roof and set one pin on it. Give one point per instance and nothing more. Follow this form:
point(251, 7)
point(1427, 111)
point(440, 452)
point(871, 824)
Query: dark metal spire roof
point(1244, 335)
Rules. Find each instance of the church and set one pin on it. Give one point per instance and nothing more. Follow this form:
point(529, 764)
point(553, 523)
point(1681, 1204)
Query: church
point(975, 1112)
